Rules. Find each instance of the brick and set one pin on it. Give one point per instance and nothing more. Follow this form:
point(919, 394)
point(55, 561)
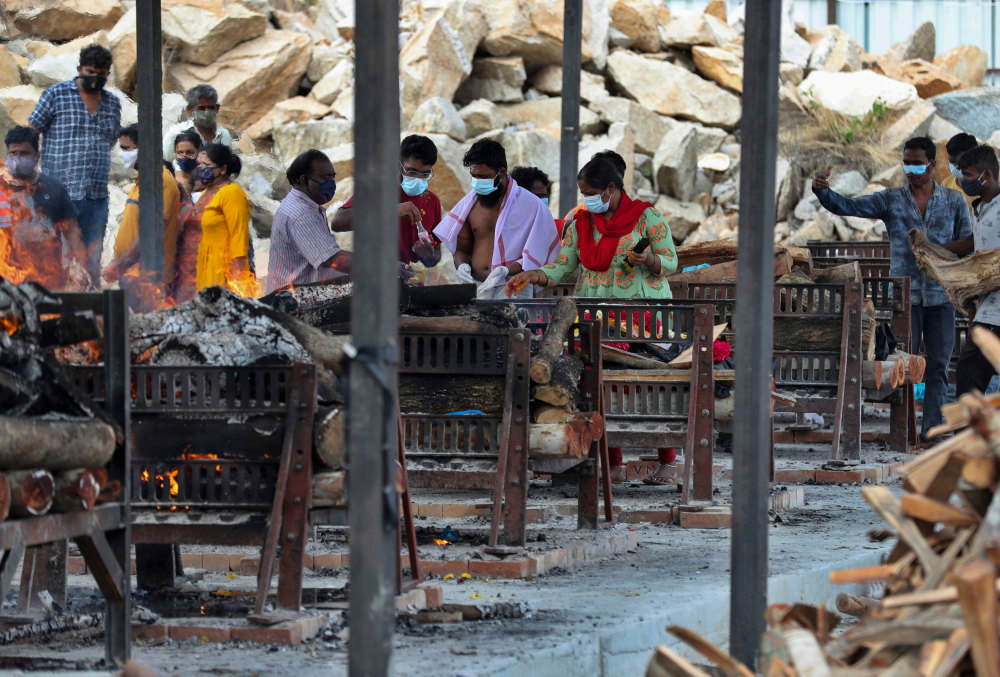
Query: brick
point(567, 509)
point(706, 520)
point(444, 567)
point(654, 516)
point(345, 560)
point(516, 567)
point(149, 635)
point(431, 510)
point(455, 510)
point(326, 561)
point(249, 566)
point(234, 561)
point(76, 565)
point(839, 477)
point(215, 561)
point(311, 626)
point(434, 594)
point(534, 515)
point(191, 560)
point(307, 561)
point(795, 476)
point(416, 599)
point(202, 633)
point(289, 632)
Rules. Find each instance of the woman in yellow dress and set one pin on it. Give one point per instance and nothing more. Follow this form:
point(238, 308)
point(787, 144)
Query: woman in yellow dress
point(223, 211)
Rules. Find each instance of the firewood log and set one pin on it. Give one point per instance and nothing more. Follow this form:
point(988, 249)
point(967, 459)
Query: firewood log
point(726, 272)
point(564, 440)
point(563, 387)
point(76, 490)
point(54, 444)
point(552, 341)
point(962, 279)
point(914, 366)
point(4, 497)
point(855, 605)
point(720, 251)
point(546, 413)
point(452, 324)
point(847, 272)
point(328, 488)
point(328, 436)
point(445, 393)
point(31, 492)
point(871, 374)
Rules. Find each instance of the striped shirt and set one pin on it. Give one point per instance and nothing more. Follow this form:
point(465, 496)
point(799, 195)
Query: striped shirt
point(76, 146)
point(301, 242)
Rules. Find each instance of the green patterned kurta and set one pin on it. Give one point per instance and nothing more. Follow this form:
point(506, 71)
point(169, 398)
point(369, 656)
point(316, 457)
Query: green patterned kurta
point(614, 283)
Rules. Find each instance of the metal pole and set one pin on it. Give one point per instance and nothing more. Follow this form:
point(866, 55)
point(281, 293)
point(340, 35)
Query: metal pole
point(754, 326)
point(831, 11)
point(374, 505)
point(149, 77)
point(569, 146)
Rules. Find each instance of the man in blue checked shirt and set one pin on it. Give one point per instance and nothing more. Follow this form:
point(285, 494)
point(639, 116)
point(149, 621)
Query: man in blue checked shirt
point(79, 122)
point(943, 215)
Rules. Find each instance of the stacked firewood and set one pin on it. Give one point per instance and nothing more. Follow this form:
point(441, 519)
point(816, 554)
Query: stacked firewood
point(940, 613)
point(54, 443)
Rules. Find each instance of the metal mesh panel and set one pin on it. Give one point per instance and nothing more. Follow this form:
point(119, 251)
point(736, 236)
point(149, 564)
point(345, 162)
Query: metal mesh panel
point(453, 354)
point(204, 484)
point(473, 436)
point(666, 400)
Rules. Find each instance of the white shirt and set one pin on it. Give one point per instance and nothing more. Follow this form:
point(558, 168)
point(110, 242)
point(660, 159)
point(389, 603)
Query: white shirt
point(986, 234)
point(222, 136)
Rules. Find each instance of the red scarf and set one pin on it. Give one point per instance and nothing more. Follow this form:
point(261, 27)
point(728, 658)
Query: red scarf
point(598, 256)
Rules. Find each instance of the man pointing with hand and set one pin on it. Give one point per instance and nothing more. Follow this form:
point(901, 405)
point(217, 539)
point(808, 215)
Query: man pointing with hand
point(943, 215)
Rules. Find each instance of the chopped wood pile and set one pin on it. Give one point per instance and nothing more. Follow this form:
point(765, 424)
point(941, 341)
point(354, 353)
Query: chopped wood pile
point(963, 279)
point(50, 432)
point(940, 613)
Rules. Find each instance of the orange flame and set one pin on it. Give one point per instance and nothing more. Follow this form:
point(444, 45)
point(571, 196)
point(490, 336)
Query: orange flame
point(144, 477)
point(9, 324)
point(441, 541)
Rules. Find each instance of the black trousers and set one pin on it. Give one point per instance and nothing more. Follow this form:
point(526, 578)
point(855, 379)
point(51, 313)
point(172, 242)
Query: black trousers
point(974, 370)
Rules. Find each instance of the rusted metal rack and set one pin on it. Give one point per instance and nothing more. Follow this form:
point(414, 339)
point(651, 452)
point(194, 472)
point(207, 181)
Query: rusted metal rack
point(654, 408)
point(493, 447)
point(849, 251)
point(102, 534)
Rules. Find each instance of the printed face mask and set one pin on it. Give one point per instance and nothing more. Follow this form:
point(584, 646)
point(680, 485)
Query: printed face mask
point(595, 204)
point(484, 186)
point(972, 187)
point(204, 118)
point(128, 157)
point(93, 83)
point(413, 186)
point(186, 164)
point(206, 174)
point(19, 166)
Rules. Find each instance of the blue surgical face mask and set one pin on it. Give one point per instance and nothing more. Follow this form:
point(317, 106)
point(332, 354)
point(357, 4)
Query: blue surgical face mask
point(413, 186)
point(186, 164)
point(325, 190)
point(484, 186)
point(595, 204)
point(972, 187)
point(545, 201)
point(955, 171)
point(914, 169)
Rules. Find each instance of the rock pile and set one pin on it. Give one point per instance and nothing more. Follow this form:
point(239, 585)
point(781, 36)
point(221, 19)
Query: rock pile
point(662, 88)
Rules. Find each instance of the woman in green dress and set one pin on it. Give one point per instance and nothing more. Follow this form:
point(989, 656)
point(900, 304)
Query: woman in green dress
point(599, 240)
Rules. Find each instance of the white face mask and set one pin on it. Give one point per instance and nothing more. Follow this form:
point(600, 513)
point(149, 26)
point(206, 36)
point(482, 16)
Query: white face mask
point(128, 157)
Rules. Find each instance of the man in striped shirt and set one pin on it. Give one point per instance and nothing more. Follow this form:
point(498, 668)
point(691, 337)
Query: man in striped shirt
point(303, 249)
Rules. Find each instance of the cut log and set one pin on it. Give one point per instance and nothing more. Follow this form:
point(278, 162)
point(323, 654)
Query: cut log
point(721, 251)
point(855, 605)
point(684, 359)
point(328, 436)
point(552, 341)
point(328, 489)
point(563, 387)
point(4, 497)
point(76, 490)
point(546, 413)
point(797, 276)
point(446, 324)
point(565, 440)
point(54, 444)
point(914, 366)
point(962, 279)
point(446, 393)
point(31, 492)
point(868, 325)
point(842, 274)
point(726, 272)
point(871, 375)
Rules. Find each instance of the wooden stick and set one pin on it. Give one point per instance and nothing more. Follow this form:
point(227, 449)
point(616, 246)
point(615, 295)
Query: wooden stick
point(976, 584)
point(875, 574)
point(32, 492)
point(943, 595)
point(724, 661)
point(886, 505)
point(855, 605)
point(934, 511)
point(552, 341)
point(75, 490)
point(667, 663)
point(4, 497)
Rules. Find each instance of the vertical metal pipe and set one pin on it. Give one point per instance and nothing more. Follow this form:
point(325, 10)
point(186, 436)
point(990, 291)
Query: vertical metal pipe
point(569, 146)
point(149, 79)
point(754, 326)
point(374, 324)
point(831, 11)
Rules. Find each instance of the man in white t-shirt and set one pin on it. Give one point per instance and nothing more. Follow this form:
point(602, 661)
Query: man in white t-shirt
point(202, 110)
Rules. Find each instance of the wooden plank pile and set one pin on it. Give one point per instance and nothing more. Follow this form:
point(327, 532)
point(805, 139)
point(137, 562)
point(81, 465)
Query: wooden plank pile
point(940, 614)
point(54, 442)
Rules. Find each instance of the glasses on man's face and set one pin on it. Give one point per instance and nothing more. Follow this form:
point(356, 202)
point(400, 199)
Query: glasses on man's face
point(414, 174)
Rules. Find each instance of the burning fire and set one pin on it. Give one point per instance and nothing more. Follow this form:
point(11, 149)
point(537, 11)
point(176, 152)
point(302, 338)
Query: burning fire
point(9, 324)
point(202, 457)
point(441, 541)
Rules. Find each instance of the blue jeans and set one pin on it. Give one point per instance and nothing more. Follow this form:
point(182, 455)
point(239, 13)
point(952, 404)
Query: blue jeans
point(936, 326)
point(92, 215)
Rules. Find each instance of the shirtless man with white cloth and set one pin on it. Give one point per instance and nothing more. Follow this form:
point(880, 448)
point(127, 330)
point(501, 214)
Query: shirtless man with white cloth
point(499, 228)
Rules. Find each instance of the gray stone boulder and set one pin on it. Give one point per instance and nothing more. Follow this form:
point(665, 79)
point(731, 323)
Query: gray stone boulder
point(976, 111)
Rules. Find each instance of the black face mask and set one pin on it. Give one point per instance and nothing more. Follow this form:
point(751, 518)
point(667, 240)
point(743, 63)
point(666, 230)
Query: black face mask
point(93, 83)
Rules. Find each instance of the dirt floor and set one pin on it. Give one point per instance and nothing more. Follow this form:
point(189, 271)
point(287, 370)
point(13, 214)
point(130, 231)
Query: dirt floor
point(602, 617)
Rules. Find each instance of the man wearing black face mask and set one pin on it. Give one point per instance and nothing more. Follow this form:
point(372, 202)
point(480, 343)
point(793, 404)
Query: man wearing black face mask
point(303, 249)
point(979, 168)
point(79, 121)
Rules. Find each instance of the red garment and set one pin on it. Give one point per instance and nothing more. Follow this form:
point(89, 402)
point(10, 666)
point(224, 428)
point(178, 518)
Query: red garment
point(430, 215)
point(598, 256)
point(720, 351)
point(666, 455)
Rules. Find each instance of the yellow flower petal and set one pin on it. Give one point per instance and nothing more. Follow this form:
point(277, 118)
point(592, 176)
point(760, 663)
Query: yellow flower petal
point(449, 577)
